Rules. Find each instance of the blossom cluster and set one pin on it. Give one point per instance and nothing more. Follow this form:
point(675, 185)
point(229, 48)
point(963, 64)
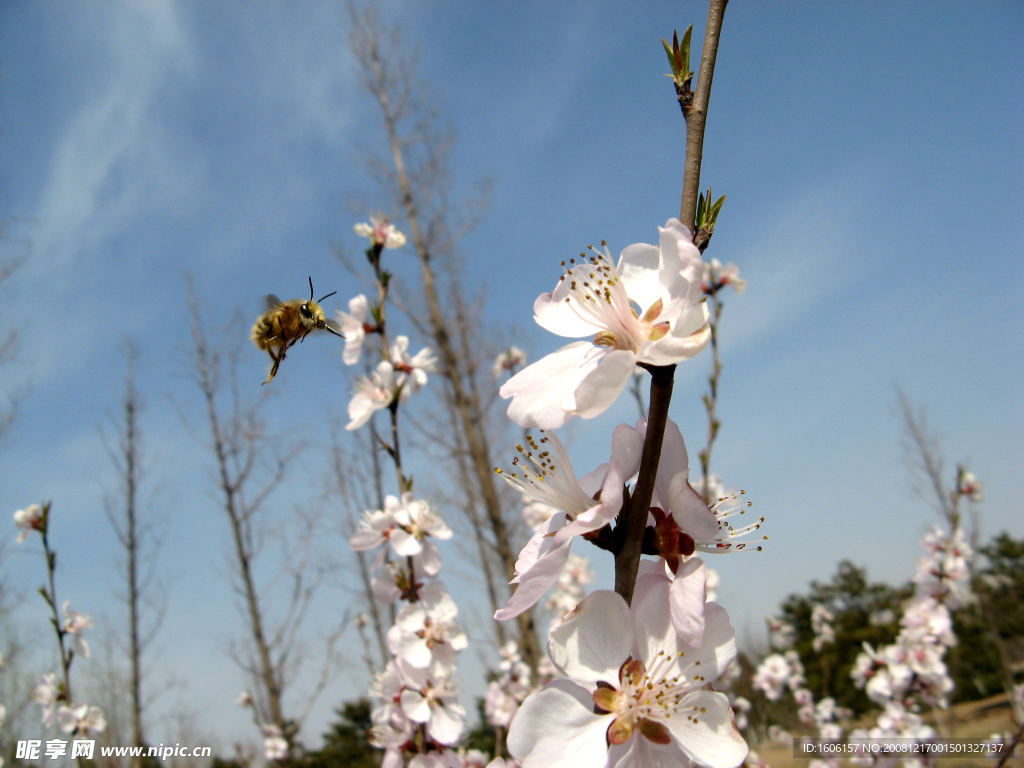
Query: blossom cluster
point(821, 625)
point(779, 671)
point(509, 689)
point(909, 673)
point(683, 524)
point(394, 379)
point(416, 691)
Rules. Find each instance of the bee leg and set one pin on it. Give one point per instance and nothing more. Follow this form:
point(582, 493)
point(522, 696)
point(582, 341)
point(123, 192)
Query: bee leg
point(273, 369)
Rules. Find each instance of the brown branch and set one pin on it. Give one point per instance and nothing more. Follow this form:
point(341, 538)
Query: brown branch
point(634, 519)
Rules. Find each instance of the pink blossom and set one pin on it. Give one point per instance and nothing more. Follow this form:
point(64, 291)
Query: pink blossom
point(275, 746)
point(596, 298)
point(425, 632)
point(46, 694)
point(81, 719)
point(968, 485)
point(381, 231)
point(508, 360)
point(428, 696)
point(716, 277)
point(415, 367)
point(28, 519)
point(772, 675)
point(821, 618)
point(74, 624)
point(375, 392)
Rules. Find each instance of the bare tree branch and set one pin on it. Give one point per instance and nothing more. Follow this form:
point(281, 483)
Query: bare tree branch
point(250, 464)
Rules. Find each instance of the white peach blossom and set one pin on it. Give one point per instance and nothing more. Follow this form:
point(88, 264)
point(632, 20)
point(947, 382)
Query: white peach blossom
point(425, 632)
point(636, 694)
point(46, 694)
point(429, 697)
point(74, 624)
point(81, 719)
point(415, 367)
point(546, 475)
point(716, 277)
point(275, 746)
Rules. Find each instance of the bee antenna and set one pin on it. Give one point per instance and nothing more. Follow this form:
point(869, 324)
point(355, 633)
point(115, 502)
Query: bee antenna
point(326, 297)
point(311, 288)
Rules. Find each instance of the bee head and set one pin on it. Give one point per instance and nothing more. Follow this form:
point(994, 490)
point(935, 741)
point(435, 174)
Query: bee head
point(311, 312)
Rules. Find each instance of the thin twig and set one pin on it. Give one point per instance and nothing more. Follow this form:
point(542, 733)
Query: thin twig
point(697, 114)
point(1013, 746)
point(711, 399)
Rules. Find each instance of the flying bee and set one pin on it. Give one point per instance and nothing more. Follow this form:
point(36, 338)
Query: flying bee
point(286, 322)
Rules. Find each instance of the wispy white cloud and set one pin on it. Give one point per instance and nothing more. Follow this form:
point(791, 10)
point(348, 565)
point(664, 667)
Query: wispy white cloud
point(134, 156)
point(112, 158)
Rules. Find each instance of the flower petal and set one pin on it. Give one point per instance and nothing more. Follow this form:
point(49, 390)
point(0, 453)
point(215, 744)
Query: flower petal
point(535, 581)
point(404, 543)
point(638, 267)
point(686, 599)
point(652, 622)
point(590, 642)
point(365, 538)
point(539, 544)
point(415, 706)
point(709, 737)
point(641, 753)
point(557, 728)
point(674, 461)
point(543, 394)
point(553, 313)
point(627, 448)
point(445, 725)
point(689, 510)
point(603, 384)
point(682, 266)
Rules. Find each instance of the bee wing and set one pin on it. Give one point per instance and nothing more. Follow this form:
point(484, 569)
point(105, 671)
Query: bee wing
point(334, 328)
point(273, 302)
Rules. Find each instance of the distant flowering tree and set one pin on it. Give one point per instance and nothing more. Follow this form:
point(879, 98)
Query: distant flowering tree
point(910, 674)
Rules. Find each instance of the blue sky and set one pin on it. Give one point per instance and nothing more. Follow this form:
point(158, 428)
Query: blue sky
point(872, 158)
